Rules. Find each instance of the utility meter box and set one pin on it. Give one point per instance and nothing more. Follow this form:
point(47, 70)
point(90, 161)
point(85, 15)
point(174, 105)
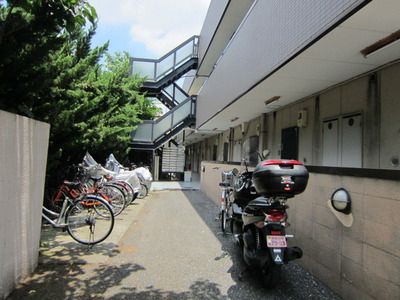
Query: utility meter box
point(302, 118)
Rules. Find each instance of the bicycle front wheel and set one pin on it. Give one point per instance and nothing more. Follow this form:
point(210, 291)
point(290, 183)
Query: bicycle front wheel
point(85, 225)
point(223, 220)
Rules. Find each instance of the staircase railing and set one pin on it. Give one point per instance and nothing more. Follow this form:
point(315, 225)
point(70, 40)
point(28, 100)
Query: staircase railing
point(155, 69)
point(151, 131)
point(175, 94)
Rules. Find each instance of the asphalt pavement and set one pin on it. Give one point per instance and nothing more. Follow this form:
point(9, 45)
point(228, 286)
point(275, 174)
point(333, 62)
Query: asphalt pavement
point(165, 246)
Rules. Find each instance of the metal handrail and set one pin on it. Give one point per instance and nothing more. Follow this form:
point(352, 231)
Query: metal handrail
point(151, 131)
point(155, 69)
point(175, 93)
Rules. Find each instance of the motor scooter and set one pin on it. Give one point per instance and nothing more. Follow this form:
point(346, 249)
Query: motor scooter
point(259, 218)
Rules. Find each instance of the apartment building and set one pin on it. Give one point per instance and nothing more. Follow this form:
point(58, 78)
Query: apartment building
point(319, 82)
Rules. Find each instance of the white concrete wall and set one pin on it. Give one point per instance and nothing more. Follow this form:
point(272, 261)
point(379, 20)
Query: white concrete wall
point(23, 156)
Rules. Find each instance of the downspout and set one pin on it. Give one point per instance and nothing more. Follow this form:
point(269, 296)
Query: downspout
point(263, 133)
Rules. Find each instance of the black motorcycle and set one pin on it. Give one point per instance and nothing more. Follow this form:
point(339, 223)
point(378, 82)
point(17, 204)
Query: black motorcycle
point(259, 215)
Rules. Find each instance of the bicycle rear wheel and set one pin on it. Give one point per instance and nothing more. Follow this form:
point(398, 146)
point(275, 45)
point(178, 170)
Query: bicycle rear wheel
point(143, 191)
point(115, 197)
point(128, 189)
point(85, 225)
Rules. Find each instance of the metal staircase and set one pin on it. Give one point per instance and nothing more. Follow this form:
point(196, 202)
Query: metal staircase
point(160, 76)
point(152, 134)
point(170, 96)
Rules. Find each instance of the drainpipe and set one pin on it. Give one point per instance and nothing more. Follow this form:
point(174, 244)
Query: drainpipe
point(231, 143)
point(263, 131)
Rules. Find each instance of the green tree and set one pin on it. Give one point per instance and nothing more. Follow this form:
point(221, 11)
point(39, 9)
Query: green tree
point(30, 31)
point(48, 71)
point(93, 107)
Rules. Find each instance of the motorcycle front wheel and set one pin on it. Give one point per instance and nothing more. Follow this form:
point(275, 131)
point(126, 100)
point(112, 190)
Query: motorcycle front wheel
point(271, 275)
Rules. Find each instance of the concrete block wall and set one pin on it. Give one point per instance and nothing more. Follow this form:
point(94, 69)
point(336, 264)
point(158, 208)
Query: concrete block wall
point(358, 262)
point(23, 156)
point(209, 179)
point(361, 261)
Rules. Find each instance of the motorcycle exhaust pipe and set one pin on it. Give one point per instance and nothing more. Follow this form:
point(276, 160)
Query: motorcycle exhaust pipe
point(293, 253)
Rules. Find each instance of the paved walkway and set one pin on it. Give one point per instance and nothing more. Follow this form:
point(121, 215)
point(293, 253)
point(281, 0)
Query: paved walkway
point(165, 246)
point(194, 184)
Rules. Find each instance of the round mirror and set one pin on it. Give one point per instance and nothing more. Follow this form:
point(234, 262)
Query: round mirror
point(235, 171)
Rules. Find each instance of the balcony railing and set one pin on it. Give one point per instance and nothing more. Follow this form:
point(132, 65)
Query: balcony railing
point(155, 69)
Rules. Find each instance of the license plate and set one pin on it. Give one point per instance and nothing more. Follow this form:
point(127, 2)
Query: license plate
point(276, 241)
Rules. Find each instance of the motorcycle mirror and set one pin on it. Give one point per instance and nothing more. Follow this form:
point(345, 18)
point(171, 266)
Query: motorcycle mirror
point(266, 152)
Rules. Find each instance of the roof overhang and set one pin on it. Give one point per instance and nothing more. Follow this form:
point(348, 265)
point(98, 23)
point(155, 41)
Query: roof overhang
point(335, 58)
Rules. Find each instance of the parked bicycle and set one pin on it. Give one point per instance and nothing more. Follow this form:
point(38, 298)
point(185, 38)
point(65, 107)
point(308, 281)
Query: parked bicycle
point(88, 219)
point(115, 194)
point(226, 192)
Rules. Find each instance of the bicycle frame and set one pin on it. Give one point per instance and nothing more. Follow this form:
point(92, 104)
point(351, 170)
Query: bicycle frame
point(81, 218)
point(224, 195)
point(60, 217)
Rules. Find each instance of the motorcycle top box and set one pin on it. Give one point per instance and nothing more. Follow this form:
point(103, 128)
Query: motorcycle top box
point(280, 178)
point(243, 191)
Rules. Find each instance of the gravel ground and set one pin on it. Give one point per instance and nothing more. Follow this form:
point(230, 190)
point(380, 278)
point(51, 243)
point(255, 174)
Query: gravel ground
point(170, 248)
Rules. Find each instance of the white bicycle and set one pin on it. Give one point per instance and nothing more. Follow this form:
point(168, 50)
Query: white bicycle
point(226, 185)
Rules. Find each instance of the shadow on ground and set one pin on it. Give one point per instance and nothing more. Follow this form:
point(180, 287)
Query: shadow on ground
point(83, 277)
point(296, 282)
point(65, 282)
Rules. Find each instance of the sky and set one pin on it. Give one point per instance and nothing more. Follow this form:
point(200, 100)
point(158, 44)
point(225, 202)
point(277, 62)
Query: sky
point(147, 28)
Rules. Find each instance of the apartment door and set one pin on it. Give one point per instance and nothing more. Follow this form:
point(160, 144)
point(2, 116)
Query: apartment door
point(330, 143)
point(352, 141)
point(342, 142)
point(290, 143)
point(226, 151)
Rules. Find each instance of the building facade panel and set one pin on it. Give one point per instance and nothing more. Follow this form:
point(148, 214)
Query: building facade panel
point(276, 31)
point(214, 15)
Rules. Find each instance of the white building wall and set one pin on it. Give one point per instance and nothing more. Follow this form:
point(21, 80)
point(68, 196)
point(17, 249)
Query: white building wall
point(23, 156)
point(241, 67)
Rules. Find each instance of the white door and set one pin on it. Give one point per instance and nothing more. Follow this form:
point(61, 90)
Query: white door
point(352, 142)
point(330, 143)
